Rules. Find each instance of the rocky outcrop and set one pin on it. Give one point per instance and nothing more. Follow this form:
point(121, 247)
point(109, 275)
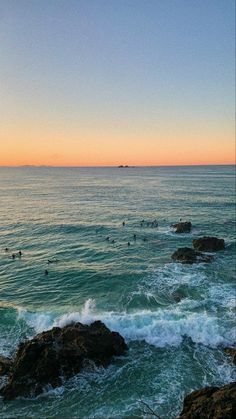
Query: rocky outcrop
point(208, 244)
point(211, 403)
point(231, 352)
point(60, 353)
point(188, 255)
point(183, 227)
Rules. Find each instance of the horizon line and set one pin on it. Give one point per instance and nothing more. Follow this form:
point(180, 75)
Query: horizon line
point(115, 166)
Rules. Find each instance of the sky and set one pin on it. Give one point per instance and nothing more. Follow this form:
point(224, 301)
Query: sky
point(109, 82)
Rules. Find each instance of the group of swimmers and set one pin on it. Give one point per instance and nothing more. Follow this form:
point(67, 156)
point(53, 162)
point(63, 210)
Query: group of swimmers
point(153, 224)
point(14, 255)
point(54, 260)
point(142, 223)
point(19, 254)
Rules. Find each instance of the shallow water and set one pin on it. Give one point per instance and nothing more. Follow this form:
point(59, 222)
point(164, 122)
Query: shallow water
point(67, 213)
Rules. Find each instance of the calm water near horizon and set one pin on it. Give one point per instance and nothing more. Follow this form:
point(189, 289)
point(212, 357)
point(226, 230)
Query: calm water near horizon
point(67, 213)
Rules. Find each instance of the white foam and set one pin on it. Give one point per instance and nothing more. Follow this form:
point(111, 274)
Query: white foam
point(38, 321)
point(223, 295)
point(166, 327)
point(160, 328)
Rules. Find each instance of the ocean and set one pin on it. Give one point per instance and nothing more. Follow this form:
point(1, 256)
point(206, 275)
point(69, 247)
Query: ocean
point(174, 346)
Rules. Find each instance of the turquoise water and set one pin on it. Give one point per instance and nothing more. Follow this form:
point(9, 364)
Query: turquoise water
point(67, 213)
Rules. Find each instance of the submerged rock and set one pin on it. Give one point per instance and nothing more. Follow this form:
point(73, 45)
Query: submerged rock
point(209, 244)
point(178, 296)
point(60, 353)
point(183, 227)
point(211, 402)
point(189, 255)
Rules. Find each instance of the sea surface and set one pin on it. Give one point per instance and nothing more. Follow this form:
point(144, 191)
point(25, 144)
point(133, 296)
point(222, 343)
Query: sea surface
point(174, 346)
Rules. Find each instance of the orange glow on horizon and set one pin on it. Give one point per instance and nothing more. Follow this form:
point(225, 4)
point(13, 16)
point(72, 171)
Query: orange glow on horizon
point(29, 146)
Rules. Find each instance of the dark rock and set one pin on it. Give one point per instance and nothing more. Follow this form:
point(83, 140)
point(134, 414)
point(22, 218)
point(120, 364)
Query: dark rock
point(178, 296)
point(231, 352)
point(184, 227)
point(5, 365)
point(211, 403)
point(209, 244)
point(60, 352)
point(188, 255)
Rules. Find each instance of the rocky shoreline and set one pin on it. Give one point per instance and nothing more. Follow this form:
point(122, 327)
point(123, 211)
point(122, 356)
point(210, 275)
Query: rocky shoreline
point(59, 353)
point(210, 403)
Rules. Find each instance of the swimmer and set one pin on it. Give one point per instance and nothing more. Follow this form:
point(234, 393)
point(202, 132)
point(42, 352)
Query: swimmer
point(46, 272)
point(113, 241)
point(135, 237)
point(52, 261)
point(123, 223)
point(6, 249)
point(20, 253)
point(128, 244)
point(13, 256)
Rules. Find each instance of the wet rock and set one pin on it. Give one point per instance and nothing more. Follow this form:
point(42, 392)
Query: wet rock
point(178, 296)
point(183, 227)
point(5, 365)
point(188, 255)
point(60, 353)
point(211, 403)
point(209, 244)
point(231, 352)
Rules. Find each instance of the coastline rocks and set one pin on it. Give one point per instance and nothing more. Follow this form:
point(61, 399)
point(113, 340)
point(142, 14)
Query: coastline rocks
point(60, 353)
point(189, 255)
point(183, 227)
point(209, 244)
point(211, 402)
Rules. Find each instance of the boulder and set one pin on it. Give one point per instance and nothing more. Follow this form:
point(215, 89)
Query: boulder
point(231, 352)
point(183, 227)
point(60, 353)
point(208, 244)
point(211, 402)
point(189, 255)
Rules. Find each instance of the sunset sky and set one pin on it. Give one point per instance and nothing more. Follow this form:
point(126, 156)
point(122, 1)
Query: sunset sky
point(108, 82)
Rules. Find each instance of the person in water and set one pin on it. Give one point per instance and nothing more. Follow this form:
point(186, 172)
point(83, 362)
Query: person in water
point(135, 237)
point(13, 256)
point(46, 272)
point(52, 261)
point(128, 244)
point(6, 249)
point(20, 253)
point(123, 223)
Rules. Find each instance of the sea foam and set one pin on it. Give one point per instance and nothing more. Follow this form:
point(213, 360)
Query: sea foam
point(159, 328)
